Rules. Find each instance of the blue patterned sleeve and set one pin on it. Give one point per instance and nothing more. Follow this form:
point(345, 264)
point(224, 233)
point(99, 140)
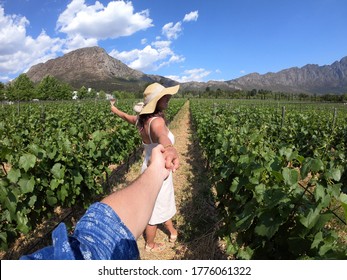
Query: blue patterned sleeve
point(99, 235)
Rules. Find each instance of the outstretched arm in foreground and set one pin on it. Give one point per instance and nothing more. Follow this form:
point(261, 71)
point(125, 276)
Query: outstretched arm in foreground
point(134, 204)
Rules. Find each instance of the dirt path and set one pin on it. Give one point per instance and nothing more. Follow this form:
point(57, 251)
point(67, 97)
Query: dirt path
point(195, 219)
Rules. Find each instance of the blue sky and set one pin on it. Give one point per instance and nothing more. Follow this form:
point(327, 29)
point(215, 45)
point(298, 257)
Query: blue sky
point(186, 40)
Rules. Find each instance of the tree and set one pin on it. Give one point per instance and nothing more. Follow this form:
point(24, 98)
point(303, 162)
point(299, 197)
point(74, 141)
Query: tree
point(82, 93)
point(23, 88)
point(52, 89)
point(2, 91)
point(102, 94)
point(91, 93)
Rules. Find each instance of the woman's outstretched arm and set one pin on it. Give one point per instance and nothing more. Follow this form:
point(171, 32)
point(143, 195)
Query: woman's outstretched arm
point(129, 118)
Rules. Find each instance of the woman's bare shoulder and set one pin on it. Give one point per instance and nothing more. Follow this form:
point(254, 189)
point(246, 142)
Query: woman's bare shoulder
point(157, 122)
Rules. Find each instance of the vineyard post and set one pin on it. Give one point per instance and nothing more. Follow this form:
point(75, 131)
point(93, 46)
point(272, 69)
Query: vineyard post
point(334, 119)
point(43, 118)
point(283, 115)
point(18, 107)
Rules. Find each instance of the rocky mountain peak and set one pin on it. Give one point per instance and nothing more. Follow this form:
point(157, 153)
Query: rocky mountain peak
point(90, 67)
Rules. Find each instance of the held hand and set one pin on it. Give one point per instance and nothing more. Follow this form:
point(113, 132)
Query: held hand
point(157, 161)
point(171, 159)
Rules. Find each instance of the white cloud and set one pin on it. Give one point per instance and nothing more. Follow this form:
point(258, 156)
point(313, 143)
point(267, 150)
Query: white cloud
point(192, 16)
point(161, 44)
point(76, 42)
point(12, 32)
point(150, 58)
point(159, 53)
point(101, 22)
point(172, 31)
point(196, 75)
point(242, 71)
point(18, 51)
point(4, 79)
point(83, 25)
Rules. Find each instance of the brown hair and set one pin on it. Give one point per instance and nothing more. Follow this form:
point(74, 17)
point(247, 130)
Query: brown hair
point(143, 118)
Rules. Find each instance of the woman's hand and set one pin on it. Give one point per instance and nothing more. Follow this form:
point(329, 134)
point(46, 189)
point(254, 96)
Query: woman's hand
point(112, 101)
point(171, 158)
point(157, 162)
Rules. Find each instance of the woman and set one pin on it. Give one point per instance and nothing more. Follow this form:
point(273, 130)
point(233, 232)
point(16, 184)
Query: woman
point(153, 130)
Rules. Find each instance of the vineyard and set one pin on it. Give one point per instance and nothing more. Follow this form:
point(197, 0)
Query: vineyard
point(279, 170)
point(58, 154)
point(280, 176)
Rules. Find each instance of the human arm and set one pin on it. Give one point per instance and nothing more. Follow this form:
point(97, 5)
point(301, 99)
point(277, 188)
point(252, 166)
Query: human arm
point(129, 118)
point(159, 134)
point(134, 204)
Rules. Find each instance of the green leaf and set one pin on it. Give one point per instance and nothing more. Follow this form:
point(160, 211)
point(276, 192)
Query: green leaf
point(27, 185)
point(3, 237)
point(245, 219)
point(51, 200)
point(259, 192)
point(32, 200)
point(58, 171)
point(245, 253)
point(78, 178)
point(52, 153)
point(63, 193)
point(268, 224)
point(13, 175)
point(290, 176)
point(22, 221)
point(317, 165)
point(91, 146)
point(343, 200)
point(97, 135)
point(335, 174)
point(3, 189)
point(311, 219)
point(317, 240)
point(37, 151)
point(319, 192)
point(311, 164)
point(55, 183)
point(6, 216)
point(27, 161)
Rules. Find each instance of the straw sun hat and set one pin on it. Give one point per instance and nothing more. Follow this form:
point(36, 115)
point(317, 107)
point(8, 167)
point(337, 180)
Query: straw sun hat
point(151, 96)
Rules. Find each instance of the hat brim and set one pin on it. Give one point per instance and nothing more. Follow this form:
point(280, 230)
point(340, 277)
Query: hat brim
point(149, 108)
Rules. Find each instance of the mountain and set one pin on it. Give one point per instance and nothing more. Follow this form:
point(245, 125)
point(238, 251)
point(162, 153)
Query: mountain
point(310, 79)
point(93, 67)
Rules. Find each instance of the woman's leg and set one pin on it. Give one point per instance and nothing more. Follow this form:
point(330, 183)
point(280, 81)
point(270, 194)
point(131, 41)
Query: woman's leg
point(173, 232)
point(151, 231)
point(152, 246)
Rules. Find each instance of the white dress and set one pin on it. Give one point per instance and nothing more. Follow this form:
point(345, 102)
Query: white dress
point(165, 207)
